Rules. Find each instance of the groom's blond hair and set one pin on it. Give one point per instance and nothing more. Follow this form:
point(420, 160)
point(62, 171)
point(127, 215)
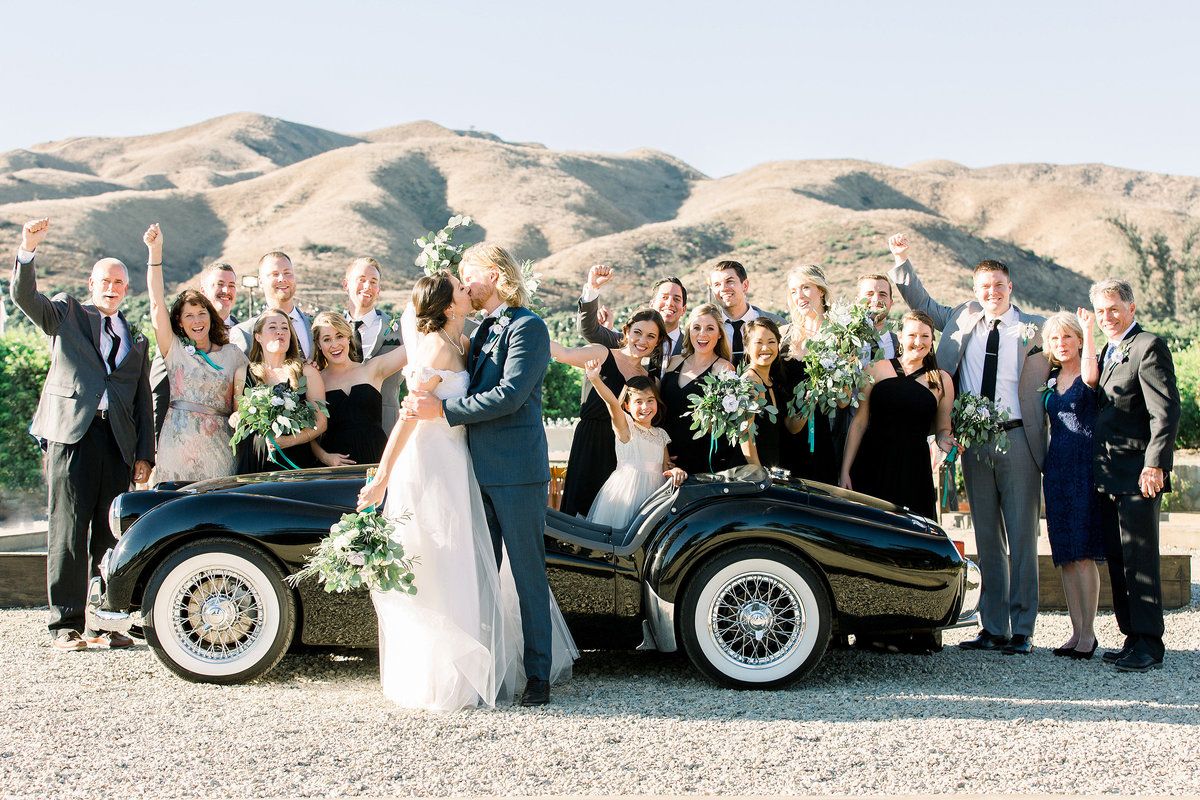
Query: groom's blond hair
point(510, 283)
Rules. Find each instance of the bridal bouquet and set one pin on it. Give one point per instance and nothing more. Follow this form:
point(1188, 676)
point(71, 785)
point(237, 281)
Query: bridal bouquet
point(361, 550)
point(438, 250)
point(976, 421)
point(272, 411)
point(729, 407)
point(836, 361)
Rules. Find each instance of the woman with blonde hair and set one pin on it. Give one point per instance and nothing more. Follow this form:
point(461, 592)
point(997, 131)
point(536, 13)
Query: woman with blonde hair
point(808, 301)
point(706, 350)
point(353, 392)
point(1072, 504)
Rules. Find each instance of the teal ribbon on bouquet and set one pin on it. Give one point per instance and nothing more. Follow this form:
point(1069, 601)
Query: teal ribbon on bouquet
point(812, 434)
point(276, 449)
point(950, 458)
point(712, 451)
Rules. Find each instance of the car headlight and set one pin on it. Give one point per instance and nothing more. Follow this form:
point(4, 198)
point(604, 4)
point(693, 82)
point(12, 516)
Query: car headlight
point(114, 518)
point(972, 587)
point(104, 560)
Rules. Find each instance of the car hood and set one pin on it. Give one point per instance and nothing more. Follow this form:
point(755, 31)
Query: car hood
point(290, 484)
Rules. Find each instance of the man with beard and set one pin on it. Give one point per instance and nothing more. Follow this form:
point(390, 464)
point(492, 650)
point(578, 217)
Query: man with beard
point(874, 291)
point(278, 282)
point(729, 285)
point(218, 282)
point(669, 299)
point(374, 332)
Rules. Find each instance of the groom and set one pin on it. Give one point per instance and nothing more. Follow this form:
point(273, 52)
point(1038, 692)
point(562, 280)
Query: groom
point(503, 413)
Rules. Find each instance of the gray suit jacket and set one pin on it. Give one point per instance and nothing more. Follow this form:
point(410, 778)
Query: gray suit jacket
point(242, 335)
point(957, 323)
point(503, 407)
point(78, 378)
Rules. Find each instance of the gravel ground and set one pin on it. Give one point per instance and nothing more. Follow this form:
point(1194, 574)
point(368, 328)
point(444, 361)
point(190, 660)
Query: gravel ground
point(118, 724)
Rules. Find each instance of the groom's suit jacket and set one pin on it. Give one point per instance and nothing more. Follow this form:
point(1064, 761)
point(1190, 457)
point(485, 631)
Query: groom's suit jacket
point(77, 376)
point(503, 407)
point(957, 324)
point(1137, 413)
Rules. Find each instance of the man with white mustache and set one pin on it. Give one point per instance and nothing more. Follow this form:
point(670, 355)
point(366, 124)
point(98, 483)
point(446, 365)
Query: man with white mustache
point(374, 332)
point(278, 281)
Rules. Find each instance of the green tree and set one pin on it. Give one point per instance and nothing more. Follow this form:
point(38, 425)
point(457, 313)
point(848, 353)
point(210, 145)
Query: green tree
point(1166, 281)
point(24, 362)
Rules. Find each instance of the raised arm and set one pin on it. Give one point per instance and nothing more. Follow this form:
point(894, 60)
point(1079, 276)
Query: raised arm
point(588, 321)
point(388, 364)
point(41, 310)
point(159, 317)
point(578, 356)
point(620, 422)
point(910, 286)
point(1089, 368)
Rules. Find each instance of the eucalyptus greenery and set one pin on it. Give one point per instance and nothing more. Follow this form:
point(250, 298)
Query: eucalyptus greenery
point(836, 361)
point(728, 407)
point(438, 250)
point(976, 421)
point(362, 550)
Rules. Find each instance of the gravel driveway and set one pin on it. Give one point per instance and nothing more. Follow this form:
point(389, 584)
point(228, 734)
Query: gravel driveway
point(117, 724)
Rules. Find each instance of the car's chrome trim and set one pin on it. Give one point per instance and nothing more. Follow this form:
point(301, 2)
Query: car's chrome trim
point(98, 619)
point(972, 583)
point(660, 619)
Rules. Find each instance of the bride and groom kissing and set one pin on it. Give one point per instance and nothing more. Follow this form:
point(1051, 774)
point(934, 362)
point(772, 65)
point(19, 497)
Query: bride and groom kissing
point(467, 463)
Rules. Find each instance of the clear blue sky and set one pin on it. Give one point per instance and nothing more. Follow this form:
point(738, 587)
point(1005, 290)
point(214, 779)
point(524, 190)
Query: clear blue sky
point(722, 85)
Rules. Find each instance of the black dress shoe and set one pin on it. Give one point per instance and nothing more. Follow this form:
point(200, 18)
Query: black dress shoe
point(1113, 656)
point(1019, 645)
point(537, 693)
point(1085, 655)
point(984, 641)
point(1138, 662)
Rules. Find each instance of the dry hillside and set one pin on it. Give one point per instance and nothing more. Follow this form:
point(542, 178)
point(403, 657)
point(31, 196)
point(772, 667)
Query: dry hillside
point(234, 187)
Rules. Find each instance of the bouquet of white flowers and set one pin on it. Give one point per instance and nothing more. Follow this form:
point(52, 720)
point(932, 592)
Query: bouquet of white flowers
point(272, 411)
point(976, 421)
point(836, 363)
point(728, 408)
point(361, 550)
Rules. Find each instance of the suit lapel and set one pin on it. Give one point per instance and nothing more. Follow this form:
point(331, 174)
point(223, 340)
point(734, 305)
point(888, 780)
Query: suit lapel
point(95, 320)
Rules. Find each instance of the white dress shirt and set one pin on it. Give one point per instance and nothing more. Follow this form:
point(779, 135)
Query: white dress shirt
point(751, 313)
point(885, 344)
point(372, 327)
point(1114, 343)
point(122, 332)
point(1007, 371)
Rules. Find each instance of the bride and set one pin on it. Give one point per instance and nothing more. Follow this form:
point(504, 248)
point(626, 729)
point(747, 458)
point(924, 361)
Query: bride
point(457, 643)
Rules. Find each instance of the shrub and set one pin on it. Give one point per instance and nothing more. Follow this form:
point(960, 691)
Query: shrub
point(1187, 377)
point(560, 391)
point(24, 362)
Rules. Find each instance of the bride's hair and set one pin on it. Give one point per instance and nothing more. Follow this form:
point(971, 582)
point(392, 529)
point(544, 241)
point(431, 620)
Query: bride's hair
point(431, 298)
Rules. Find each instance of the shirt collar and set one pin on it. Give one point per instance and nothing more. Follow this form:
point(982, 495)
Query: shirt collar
point(751, 313)
point(1117, 340)
point(1006, 319)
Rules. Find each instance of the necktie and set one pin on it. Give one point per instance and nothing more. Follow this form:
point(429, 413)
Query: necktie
point(736, 344)
point(991, 360)
point(114, 344)
point(358, 323)
point(481, 336)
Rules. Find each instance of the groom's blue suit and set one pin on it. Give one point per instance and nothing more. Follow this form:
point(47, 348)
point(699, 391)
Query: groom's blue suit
point(503, 415)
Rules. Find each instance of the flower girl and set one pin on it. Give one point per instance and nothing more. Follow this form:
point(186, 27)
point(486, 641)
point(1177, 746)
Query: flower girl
point(641, 450)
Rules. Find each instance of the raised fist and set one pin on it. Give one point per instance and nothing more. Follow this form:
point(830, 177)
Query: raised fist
point(598, 275)
point(33, 232)
point(898, 244)
point(154, 240)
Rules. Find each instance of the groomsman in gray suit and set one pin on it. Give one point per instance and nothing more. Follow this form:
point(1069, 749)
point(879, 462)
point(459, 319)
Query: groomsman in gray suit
point(984, 345)
point(669, 299)
point(96, 418)
point(729, 284)
point(1133, 449)
point(373, 330)
point(278, 281)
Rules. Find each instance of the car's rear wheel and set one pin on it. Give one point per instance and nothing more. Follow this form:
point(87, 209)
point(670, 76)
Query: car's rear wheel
point(755, 617)
point(218, 611)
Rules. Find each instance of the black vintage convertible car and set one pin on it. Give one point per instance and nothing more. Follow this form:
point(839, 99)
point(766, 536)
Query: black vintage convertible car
point(751, 572)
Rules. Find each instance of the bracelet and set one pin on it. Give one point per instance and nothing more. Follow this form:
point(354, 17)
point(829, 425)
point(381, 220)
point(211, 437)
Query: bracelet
point(159, 264)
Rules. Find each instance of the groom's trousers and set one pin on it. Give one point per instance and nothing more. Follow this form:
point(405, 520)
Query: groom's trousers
point(516, 517)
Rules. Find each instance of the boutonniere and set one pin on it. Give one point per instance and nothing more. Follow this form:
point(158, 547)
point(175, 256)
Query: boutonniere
point(1051, 383)
point(389, 324)
point(1119, 355)
point(1028, 331)
point(504, 319)
point(135, 332)
point(189, 347)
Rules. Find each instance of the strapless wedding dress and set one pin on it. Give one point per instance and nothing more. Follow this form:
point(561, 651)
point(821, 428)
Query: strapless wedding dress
point(457, 643)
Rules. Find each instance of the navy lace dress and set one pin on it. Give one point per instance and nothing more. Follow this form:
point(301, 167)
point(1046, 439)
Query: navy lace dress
point(1072, 503)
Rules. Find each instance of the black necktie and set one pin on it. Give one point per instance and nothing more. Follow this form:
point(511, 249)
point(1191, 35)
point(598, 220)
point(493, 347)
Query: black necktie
point(991, 360)
point(481, 336)
point(736, 344)
point(114, 344)
point(358, 323)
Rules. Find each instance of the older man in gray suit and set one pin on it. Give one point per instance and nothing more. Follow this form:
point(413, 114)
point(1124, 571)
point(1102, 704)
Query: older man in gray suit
point(97, 420)
point(984, 345)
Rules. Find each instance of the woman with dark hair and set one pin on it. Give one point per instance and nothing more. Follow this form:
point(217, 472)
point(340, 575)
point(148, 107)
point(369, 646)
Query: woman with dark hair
point(353, 392)
point(276, 358)
point(761, 336)
point(201, 365)
point(593, 450)
point(706, 350)
point(887, 452)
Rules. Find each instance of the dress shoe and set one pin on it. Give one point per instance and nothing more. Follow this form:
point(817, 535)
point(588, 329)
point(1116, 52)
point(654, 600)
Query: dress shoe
point(1019, 645)
point(1138, 662)
point(984, 641)
point(1085, 655)
point(68, 640)
point(113, 641)
point(537, 693)
point(1065, 650)
point(1113, 656)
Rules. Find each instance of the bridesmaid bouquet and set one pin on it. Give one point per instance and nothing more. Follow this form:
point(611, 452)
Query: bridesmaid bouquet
point(361, 550)
point(976, 422)
point(272, 411)
point(836, 361)
point(728, 408)
point(438, 250)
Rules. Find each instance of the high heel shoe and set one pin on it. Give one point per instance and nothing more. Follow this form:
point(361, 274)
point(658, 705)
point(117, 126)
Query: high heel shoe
point(1065, 650)
point(1085, 655)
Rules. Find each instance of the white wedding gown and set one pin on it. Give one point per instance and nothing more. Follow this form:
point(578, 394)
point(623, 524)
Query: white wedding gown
point(457, 643)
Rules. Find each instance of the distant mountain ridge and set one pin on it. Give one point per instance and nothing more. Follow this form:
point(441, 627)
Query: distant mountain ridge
point(234, 187)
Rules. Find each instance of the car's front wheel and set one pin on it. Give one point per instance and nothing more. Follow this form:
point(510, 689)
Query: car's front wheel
point(755, 616)
point(218, 611)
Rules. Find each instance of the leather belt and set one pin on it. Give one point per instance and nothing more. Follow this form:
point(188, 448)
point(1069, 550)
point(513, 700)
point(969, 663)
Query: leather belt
point(1012, 424)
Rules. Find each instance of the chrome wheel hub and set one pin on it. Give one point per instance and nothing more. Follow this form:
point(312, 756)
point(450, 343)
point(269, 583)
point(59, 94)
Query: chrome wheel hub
point(217, 614)
point(756, 619)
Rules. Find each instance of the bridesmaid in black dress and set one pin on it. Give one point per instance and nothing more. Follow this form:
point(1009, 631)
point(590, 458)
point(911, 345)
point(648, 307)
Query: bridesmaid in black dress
point(887, 453)
point(355, 434)
point(762, 350)
point(593, 451)
point(705, 351)
point(276, 358)
point(807, 443)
